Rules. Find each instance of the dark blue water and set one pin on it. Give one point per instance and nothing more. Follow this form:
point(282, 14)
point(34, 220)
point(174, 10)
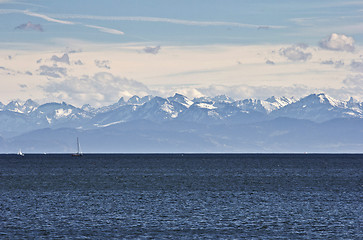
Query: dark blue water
point(181, 196)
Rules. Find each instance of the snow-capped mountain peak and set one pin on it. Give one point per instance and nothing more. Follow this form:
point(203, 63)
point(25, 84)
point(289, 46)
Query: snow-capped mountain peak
point(281, 101)
point(328, 100)
point(134, 100)
point(30, 106)
point(88, 108)
point(321, 98)
point(202, 100)
point(181, 99)
point(223, 98)
point(121, 101)
point(274, 103)
point(16, 106)
point(137, 100)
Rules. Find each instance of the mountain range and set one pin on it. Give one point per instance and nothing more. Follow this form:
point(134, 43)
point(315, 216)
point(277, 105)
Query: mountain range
point(315, 123)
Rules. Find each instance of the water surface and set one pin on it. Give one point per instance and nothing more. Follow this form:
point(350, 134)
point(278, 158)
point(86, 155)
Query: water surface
point(175, 196)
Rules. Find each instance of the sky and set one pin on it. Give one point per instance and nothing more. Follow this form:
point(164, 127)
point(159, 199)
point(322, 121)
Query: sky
point(99, 51)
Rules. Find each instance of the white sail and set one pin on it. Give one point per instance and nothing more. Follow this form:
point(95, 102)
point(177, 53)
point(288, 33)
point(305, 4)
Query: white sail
point(20, 153)
point(79, 153)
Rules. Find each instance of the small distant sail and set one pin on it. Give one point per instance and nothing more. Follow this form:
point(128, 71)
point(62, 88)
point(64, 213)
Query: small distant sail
point(79, 153)
point(20, 153)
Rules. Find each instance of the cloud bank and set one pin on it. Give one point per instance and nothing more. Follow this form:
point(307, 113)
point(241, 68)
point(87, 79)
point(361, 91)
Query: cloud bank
point(99, 89)
point(354, 81)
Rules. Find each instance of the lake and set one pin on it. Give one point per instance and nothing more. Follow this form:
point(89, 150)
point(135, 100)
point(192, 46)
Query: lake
point(181, 196)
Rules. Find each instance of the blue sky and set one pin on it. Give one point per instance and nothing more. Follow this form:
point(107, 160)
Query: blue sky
point(99, 51)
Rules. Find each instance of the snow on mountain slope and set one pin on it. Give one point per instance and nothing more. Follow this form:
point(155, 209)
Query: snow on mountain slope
point(202, 100)
point(248, 105)
point(355, 105)
point(201, 112)
point(29, 106)
point(223, 98)
point(208, 106)
point(183, 100)
point(53, 114)
point(103, 109)
point(325, 99)
point(121, 114)
point(159, 109)
point(274, 103)
point(16, 106)
point(137, 100)
point(317, 107)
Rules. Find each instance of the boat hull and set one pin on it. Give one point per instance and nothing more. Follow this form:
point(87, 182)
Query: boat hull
point(77, 155)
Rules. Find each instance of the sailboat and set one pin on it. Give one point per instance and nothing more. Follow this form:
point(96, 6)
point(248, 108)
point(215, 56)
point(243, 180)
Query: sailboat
point(79, 153)
point(20, 153)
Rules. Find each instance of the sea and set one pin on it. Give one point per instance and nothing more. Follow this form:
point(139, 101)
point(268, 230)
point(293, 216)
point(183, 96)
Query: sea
point(181, 196)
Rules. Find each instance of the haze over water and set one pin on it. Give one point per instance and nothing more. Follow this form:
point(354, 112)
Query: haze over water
point(190, 196)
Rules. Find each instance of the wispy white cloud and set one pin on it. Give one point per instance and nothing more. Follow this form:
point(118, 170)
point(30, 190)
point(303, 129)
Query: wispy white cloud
point(169, 20)
point(20, 3)
point(308, 21)
point(353, 86)
point(56, 20)
point(45, 17)
point(354, 80)
point(106, 30)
